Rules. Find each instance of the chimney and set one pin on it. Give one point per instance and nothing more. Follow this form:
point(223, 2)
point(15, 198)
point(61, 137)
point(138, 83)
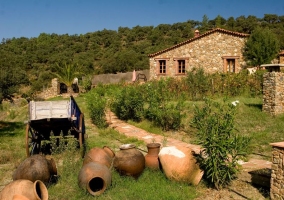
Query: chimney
point(196, 33)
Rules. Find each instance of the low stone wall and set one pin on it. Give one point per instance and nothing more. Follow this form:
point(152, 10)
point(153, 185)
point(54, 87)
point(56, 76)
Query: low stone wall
point(53, 91)
point(273, 93)
point(117, 78)
point(277, 172)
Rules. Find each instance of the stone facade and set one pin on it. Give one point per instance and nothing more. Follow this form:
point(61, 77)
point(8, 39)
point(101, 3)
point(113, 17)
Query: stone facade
point(273, 93)
point(277, 172)
point(213, 51)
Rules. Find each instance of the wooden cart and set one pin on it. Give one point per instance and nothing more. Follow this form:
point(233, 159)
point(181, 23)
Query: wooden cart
point(54, 120)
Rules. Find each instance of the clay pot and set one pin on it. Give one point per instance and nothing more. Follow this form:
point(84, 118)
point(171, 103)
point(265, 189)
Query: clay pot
point(179, 164)
point(36, 167)
point(94, 177)
point(100, 155)
point(129, 161)
point(24, 189)
point(151, 158)
point(19, 197)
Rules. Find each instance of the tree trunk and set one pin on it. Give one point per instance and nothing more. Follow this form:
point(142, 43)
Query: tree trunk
point(69, 90)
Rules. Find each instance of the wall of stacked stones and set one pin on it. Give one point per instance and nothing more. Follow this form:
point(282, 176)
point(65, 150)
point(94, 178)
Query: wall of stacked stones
point(53, 91)
point(205, 52)
point(277, 172)
point(273, 93)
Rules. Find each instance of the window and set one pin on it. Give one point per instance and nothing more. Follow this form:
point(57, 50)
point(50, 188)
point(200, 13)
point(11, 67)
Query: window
point(230, 63)
point(162, 66)
point(181, 67)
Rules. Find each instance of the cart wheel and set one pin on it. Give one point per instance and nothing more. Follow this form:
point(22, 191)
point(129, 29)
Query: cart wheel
point(81, 138)
point(32, 142)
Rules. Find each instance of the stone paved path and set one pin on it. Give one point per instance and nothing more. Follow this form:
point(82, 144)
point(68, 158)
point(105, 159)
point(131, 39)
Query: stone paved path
point(132, 131)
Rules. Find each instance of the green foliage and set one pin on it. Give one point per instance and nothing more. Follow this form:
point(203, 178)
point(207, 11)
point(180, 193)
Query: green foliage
point(261, 47)
point(129, 104)
point(87, 83)
point(96, 104)
point(198, 83)
point(160, 109)
point(223, 147)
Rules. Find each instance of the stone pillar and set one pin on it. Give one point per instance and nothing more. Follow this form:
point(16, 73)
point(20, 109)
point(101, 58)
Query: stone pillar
point(273, 93)
point(55, 87)
point(277, 172)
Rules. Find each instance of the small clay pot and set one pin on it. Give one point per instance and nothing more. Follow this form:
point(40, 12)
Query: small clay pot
point(100, 155)
point(152, 158)
point(94, 177)
point(25, 189)
point(36, 167)
point(129, 161)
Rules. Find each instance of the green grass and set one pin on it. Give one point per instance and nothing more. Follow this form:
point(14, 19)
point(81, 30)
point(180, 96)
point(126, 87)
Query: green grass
point(250, 120)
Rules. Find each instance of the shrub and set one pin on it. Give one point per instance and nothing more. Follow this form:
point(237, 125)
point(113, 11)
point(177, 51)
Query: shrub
point(223, 147)
point(97, 106)
point(129, 104)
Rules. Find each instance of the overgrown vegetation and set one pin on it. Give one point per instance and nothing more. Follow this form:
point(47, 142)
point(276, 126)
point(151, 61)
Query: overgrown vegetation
point(223, 146)
point(32, 61)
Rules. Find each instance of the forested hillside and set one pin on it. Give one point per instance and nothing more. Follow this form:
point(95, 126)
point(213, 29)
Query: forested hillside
point(32, 61)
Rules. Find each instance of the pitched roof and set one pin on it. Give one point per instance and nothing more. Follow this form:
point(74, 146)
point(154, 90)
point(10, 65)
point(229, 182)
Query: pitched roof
point(201, 36)
point(281, 53)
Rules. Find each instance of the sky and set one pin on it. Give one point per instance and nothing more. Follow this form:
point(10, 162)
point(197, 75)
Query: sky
point(30, 18)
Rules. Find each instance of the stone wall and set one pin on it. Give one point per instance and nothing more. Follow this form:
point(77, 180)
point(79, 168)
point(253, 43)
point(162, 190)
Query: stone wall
point(277, 172)
point(273, 93)
point(206, 52)
point(53, 91)
point(116, 78)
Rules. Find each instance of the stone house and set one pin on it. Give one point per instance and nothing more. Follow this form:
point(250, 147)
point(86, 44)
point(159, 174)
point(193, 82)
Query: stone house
point(217, 50)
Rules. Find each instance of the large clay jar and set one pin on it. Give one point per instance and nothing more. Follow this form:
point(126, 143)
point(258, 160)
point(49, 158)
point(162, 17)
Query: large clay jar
point(36, 167)
point(24, 189)
point(129, 161)
point(151, 158)
point(179, 164)
point(94, 177)
point(19, 197)
point(100, 155)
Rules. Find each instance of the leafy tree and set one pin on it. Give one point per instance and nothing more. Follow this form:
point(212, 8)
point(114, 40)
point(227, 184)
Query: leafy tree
point(10, 77)
point(261, 47)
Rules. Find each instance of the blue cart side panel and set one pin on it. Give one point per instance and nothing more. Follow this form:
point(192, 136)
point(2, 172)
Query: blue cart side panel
point(75, 111)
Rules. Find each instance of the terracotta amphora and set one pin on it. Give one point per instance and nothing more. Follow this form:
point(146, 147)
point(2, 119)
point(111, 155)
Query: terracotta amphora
point(100, 155)
point(94, 177)
point(24, 189)
point(129, 161)
point(36, 167)
point(179, 164)
point(151, 158)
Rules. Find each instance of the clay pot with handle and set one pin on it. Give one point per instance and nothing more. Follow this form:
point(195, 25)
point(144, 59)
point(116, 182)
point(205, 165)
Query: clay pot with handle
point(24, 189)
point(100, 155)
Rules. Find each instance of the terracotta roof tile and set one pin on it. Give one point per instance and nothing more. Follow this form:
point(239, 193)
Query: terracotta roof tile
point(200, 36)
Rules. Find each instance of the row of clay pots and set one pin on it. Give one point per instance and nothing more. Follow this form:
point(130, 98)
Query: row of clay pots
point(177, 163)
point(30, 179)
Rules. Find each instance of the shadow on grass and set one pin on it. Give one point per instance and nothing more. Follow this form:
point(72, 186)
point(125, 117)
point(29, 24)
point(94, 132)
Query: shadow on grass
point(255, 105)
point(10, 129)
